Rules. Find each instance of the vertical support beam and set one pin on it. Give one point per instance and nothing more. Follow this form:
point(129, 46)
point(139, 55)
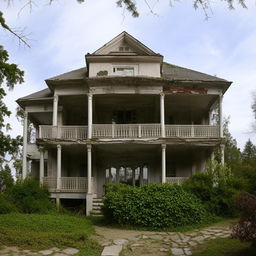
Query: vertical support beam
point(41, 171)
point(89, 180)
point(89, 116)
point(25, 143)
point(55, 110)
point(162, 115)
point(222, 155)
point(89, 169)
point(220, 115)
point(58, 167)
point(212, 156)
point(163, 163)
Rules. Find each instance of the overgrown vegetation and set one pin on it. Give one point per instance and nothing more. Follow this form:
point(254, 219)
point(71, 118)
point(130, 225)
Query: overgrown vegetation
point(245, 229)
point(153, 205)
point(39, 231)
point(26, 197)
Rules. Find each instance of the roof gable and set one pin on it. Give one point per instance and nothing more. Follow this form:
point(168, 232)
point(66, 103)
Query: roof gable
point(124, 44)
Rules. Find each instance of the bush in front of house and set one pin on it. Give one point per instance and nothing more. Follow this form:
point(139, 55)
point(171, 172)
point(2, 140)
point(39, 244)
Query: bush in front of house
point(153, 205)
point(6, 206)
point(29, 197)
point(217, 189)
point(245, 229)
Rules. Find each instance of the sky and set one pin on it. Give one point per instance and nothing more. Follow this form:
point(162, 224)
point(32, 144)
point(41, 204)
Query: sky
point(61, 34)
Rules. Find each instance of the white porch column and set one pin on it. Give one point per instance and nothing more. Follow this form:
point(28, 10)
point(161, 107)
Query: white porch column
point(55, 110)
point(163, 163)
point(89, 181)
point(89, 169)
point(58, 166)
point(41, 172)
point(89, 116)
point(162, 114)
point(222, 155)
point(25, 142)
point(220, 115)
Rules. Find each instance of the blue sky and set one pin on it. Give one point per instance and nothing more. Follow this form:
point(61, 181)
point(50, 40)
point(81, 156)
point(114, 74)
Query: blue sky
point(62, 33)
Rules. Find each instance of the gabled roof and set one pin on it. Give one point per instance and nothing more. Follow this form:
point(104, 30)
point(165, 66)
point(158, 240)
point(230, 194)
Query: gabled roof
point(76, 74)
point(45, 93)
point(135, 44)
point(176, 73)
point(169, 72)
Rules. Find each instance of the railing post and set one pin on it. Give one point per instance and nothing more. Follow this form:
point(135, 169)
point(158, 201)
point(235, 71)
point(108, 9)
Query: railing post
point(25, 143)
point(192, 130)
point(58, 167)
point(89, 180)
point(139, 131)
point(113, 130)
point(163, 163)
point(162, 115)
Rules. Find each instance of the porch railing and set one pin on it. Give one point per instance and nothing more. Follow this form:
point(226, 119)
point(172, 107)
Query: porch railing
point(126, 131)
point(68, 184)
point(192, 131)
point(129, 131)
point(176, 180)
point(67, 132)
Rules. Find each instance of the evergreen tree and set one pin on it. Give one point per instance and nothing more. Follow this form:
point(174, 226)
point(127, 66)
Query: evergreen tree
point(249, 150)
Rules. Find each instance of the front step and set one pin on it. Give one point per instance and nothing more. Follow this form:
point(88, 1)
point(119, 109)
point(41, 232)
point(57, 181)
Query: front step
point(97, 204)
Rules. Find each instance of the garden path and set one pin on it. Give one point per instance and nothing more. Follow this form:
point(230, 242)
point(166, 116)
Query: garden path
point(147, 243)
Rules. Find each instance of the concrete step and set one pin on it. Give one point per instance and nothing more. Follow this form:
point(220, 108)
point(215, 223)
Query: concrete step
point(96, 207)
point(97, 203)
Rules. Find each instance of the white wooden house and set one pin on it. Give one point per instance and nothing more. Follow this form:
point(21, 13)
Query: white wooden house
point(125, 117)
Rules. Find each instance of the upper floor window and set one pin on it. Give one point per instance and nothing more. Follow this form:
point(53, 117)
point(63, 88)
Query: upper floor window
point(123, 71)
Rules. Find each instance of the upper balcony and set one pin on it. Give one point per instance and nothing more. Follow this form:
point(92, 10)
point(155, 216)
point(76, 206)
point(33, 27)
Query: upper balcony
point(128, 131)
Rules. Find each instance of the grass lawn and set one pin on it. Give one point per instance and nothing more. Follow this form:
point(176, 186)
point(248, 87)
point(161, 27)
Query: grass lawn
point(43, 231)
point(224, 247)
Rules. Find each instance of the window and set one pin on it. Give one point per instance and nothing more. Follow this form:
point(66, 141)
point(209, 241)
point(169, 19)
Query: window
point(123, 71)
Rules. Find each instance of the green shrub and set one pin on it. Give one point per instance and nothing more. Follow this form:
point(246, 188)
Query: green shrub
point(153, 205)
point(218, 198)
point(6, 206)
point(30, 197)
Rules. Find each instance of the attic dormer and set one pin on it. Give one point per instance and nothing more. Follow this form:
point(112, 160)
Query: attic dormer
point(124, 56)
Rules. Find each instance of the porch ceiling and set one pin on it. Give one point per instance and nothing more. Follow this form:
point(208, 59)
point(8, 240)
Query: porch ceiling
point(42, 118)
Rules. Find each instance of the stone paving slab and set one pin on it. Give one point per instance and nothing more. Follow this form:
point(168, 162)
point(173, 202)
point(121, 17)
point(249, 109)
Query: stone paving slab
point(113, 250)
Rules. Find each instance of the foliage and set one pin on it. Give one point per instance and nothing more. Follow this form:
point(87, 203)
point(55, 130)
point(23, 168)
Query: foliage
point(6, 206)
point(30, 197)
point(224, 247)
point(10, 75)
point(249, 150)
point(153, 205)
point(216, 189)
point(40, 231)
point(6, 179)
point(245, 229)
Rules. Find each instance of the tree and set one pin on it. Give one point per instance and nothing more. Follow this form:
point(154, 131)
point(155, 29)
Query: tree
point(254, 110)
point(10, 75)
point(249, 150)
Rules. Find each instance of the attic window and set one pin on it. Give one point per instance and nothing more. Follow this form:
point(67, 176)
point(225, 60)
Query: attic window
point(123, 71)
point(124, 49)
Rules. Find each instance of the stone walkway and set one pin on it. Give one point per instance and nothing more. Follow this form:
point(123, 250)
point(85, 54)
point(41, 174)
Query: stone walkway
point(145, 243)
point(15, 251)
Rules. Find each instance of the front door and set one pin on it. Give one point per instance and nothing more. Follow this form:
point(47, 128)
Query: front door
point(134, 176)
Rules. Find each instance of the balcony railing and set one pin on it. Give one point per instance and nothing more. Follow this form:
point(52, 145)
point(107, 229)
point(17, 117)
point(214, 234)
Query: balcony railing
point(128, 131)
point(176, 180)
point(67, 184)
point(67, 132)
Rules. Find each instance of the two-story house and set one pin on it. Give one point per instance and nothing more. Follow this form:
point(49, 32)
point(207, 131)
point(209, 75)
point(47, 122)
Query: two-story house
point(125, 117)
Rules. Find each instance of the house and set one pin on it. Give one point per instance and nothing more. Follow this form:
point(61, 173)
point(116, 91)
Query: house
point(125, 117)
